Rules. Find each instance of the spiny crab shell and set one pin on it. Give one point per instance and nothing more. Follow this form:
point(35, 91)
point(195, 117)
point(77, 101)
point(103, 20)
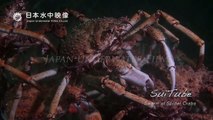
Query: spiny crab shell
point(90, 39)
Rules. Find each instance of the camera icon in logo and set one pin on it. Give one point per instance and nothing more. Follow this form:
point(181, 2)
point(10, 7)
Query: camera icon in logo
point(17, 16)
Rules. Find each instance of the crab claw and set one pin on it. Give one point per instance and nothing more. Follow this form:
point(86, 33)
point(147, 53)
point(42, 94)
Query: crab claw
point(129, 73)
point(170, 64)
point(136, 77)
point(157, 35)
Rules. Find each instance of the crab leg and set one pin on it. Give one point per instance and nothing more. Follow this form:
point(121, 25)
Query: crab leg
point(133, 59)
point(18, 73)
point(129, 73)
point(168, 33)
point(120, 90)
point(41, 38)
point(95, 93)
point(158, 36)
point(170, 63)
point(127, 46)
point(16, 102)
point(134, 20)
point(96, 82)
point(38, 60)
point(174, 22)
point(44, 74)
point(146, 23)
point(92, 92)
point(57, 97)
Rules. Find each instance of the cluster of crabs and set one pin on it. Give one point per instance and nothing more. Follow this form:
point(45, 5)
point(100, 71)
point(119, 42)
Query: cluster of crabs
point(114, 77)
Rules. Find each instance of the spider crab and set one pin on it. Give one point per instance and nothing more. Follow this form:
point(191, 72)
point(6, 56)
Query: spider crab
point(92, 41)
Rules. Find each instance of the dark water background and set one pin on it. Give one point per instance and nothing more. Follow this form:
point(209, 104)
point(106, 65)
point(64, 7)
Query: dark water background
point(195, 14)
